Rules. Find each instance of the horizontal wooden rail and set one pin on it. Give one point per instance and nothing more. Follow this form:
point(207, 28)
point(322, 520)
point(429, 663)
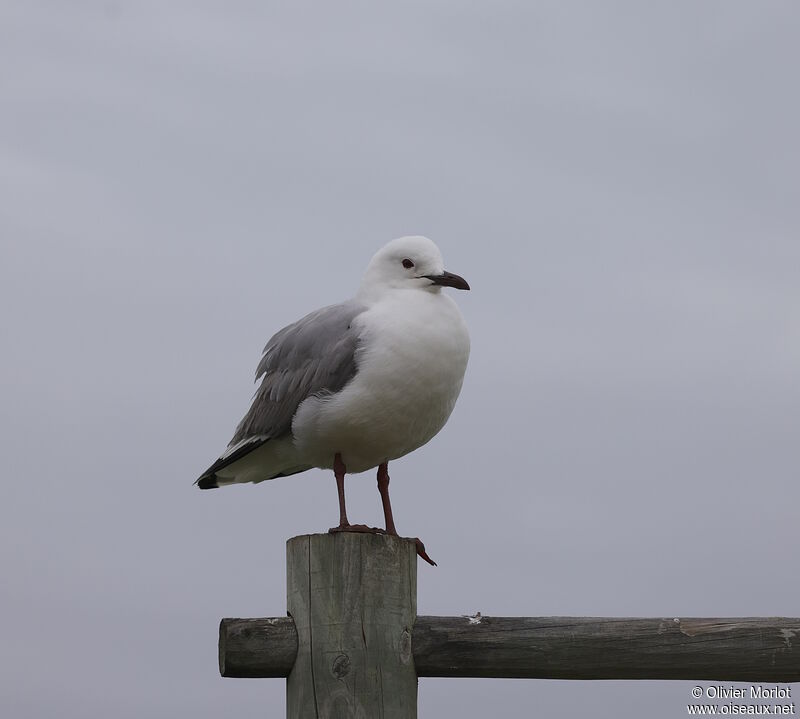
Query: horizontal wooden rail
point(751, 649)
point(255, 648)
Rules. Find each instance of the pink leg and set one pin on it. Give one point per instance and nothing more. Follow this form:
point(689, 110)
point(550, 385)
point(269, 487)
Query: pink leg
point(383, 488)
point(339, 470)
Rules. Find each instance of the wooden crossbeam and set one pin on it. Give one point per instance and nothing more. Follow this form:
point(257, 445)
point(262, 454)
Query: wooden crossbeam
point(750, 649)
point(353, 645)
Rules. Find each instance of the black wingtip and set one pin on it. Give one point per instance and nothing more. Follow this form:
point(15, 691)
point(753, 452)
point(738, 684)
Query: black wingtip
point(207, 482)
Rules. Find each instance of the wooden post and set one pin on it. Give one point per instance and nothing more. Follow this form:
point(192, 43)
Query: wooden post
point(352, 646)
point(353, 599)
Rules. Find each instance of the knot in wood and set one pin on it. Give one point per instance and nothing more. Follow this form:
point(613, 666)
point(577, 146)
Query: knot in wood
point(341, 666)
point(405, 646)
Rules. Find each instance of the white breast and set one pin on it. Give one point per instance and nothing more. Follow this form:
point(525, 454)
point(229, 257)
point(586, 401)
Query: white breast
point(411, 362)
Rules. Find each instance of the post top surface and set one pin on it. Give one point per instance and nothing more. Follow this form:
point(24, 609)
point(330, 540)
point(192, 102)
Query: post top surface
point(351, 536)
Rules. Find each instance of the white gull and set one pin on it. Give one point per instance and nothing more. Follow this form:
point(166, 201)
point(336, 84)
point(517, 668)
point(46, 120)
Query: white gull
point(355, 385)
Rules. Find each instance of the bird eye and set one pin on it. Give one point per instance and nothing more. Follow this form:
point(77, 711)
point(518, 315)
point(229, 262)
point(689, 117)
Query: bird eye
point(408, 264)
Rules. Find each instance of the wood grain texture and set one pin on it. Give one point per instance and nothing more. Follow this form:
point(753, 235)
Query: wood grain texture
point(753, 649)
point(353, 601)
point(749, 649)
point(257, 647)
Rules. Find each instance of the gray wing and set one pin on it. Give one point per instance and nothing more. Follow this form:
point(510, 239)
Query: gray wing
point(315, 354)
point(312, 356)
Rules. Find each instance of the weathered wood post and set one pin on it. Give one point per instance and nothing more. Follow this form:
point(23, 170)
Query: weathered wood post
point(353, 645)
point(353, 599)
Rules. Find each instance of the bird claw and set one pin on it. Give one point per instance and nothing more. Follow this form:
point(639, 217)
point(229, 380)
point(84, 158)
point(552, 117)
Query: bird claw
point(421, 551)
point(364, 529)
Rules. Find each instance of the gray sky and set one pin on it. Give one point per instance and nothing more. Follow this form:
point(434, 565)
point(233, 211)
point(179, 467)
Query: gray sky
point(617, 181)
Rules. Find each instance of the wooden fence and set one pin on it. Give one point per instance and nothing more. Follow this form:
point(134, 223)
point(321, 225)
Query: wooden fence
point(353, 645)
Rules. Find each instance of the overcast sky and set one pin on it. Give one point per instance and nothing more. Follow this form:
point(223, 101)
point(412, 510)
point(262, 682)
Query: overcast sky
point(617, 181)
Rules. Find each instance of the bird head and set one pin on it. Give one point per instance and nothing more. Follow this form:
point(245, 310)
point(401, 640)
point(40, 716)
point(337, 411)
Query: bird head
point(413, 262)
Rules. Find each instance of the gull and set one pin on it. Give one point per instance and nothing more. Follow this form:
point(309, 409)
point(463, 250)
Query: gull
point(353, 386)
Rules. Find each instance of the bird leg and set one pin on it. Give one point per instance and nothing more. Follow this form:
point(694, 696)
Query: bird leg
point(339, 470)
point(383, 488)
